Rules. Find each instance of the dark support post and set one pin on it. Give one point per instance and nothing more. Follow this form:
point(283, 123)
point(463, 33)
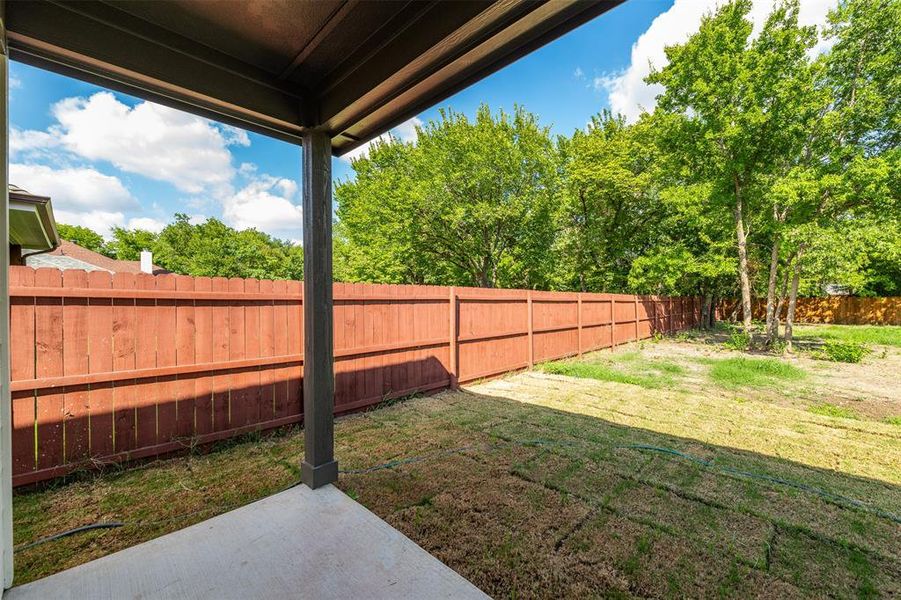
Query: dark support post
point(319, 467)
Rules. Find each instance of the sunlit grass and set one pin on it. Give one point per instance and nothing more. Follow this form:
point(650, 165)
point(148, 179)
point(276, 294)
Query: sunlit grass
point(752, 372)
point(883, 335)
point(628, 368)
point(831, 410)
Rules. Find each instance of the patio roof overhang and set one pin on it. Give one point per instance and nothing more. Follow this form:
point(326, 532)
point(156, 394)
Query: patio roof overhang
point(350, 67)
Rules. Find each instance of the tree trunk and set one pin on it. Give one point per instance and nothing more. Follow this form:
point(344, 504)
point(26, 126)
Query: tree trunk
point(772, 322)
point(783, 292)
point(745, 281)
point(712, 315)
point(793, 299)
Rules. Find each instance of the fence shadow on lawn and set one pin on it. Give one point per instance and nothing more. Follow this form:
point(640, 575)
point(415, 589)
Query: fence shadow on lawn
point(67, 440)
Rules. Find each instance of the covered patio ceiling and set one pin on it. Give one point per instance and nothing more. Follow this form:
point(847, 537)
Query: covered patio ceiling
point(353, 68)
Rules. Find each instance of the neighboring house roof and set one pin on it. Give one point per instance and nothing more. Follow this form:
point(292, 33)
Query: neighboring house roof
point(70, 255)
point(31, 222)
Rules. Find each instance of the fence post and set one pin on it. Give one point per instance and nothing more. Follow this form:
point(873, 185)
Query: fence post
point(637, 336)
point(612, 323)
point(452, 321)
point(669, 314)
point(531, 344)
point(579, 310)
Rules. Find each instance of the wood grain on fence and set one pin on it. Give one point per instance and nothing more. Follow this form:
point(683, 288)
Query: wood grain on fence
point(840, 310)
point(108, 368)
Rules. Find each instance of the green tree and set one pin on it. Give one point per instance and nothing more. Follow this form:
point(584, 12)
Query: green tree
point(609, 206)
point(84, 237)
point(738, 99)
point(851, 169)
point(127, 244)
point(694, 253)
point(374, 228)
point(471, 203)
point(211, 249)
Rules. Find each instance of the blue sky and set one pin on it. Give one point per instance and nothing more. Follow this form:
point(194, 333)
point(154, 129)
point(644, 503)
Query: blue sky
point(108, 159)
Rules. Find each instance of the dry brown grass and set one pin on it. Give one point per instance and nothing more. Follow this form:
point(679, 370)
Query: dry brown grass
point(532, 486)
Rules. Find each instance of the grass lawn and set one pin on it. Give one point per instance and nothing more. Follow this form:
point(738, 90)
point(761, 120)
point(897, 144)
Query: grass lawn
point(884, 335)
point(666, 469)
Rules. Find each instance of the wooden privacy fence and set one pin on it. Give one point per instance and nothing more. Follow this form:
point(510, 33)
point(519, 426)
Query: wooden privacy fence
point(108, 368)
point(841, 310)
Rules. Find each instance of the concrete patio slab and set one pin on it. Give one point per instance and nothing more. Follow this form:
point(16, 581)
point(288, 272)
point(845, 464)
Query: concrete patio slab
point(296, 544)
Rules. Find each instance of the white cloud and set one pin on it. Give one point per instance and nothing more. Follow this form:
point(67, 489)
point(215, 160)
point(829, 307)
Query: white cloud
point(265, 203)
point(151, 140)
point(191, 153)
point(74, 189)
point(100, 221)
point(146, 223)
point(235, 136)
point(29, 140)
point(630, 95)
point(406, 132)
point(14, 82)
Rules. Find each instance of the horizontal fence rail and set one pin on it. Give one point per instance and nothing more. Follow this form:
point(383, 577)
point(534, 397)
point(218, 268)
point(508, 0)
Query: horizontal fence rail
point(839, 310)
point(108, 368)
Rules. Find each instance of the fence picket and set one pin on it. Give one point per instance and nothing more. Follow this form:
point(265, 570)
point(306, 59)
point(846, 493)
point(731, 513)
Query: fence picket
point(280, 339)
point(250, 378)
point(203, 354)
point(237, 392)
point(21, 332)
point(100, 360)
point(147, 390)
point(294, 373)
point(221, 334)
point(166, 356)
point(124, 360)
point(75, 362)
point(267, 348)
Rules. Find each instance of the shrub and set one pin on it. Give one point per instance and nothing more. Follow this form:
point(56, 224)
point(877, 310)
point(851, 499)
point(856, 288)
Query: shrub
point(846, 352)
point(738, 340)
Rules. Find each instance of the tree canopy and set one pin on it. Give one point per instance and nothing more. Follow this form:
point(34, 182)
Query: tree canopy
point(210, 248)
point(471, 203)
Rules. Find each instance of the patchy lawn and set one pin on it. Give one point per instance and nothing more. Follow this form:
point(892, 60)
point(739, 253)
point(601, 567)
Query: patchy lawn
point(883, 335)
point(661, 469)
